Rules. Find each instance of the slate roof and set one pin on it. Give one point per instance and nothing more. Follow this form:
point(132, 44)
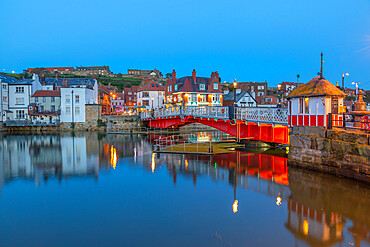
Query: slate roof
point(316, 87)
point(22, 82)
point(150, 86)
point(186, 84)
point(71, 81)
point(46, 93)
point(230, 96)
point(7, 79)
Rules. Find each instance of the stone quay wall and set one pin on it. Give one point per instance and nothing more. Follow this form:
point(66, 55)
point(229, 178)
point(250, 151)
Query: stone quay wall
point(338, 151)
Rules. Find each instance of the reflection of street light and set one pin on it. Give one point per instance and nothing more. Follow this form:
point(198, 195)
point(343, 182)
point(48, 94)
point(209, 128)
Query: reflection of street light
point(343, 74)
point(153, 162)
point(278, 200)
point(235, 206)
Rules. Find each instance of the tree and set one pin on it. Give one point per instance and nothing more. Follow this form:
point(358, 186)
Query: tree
point(298, 77)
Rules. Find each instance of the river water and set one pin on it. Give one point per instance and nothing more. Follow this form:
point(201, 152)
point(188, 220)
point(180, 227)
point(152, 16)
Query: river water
point(111, 190)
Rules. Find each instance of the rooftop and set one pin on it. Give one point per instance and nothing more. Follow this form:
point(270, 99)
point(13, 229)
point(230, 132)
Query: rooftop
point(46, 93)
point(316, 87)
point(7, 79)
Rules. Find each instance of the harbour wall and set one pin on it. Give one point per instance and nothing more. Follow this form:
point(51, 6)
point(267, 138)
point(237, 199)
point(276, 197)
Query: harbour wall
point(337, 151)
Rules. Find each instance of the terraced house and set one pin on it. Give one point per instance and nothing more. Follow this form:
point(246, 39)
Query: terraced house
point(193, 90)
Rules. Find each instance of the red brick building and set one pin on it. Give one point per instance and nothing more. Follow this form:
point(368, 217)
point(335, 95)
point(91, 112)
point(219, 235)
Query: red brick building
point(130, 95)
point(193, 90)
point(257, 89)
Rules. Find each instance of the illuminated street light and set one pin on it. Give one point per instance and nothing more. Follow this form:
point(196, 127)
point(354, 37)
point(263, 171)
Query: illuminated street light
point(343, 74)
point(356, 83)
point(235, 84)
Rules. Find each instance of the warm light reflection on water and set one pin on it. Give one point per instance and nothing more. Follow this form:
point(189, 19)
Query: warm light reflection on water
point(69, 172)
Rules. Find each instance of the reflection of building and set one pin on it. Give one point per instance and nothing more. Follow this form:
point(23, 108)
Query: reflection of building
point(315, 226)
point(40, 157)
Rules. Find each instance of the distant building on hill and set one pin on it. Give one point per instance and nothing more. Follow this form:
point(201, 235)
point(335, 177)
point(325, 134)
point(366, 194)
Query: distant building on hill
point(93, 70)
point(61, 70)
point(145, 73)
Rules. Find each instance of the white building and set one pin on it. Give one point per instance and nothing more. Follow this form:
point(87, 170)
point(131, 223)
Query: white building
point(73, 103)
point(19, 96)
point(150, 95)
point(311, 103)
point(243, 98)
point(4, 97)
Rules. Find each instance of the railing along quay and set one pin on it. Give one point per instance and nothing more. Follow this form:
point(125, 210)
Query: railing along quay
point(253, 114)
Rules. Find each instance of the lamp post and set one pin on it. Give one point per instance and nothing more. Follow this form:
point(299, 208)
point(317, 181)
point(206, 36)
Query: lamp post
point(356, 83)
point(343, 74)
point(152, 102)
point(235, 84)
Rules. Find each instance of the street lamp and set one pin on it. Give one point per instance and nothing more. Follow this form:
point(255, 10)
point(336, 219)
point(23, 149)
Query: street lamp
point(356, 83)
point(343, 74)
point(152, 102)
point(235, 84)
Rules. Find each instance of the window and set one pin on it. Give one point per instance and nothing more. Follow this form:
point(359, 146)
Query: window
point(215, 97)
point(145, 102)
point(306, 106)
point(202, 98)
point(193, 98)
point(52, 99)
point(301, 106)
point(176, 87)
point(145, 94)
point(52, 108)
point(19, 89)
point(77, 98)
point(169, 88)
point(4, 86)
point(261, 87)
point(44, 99)
point(41, 109)
point(129, 98)
point(261, 93)
point(77, 111)
point(19, 114)
point(68, 99)
point(5, 99)
point(215, 86)
point(36, 99)
point(68, 110)
point(130, 93)
point(19, 101)
point(202, 86)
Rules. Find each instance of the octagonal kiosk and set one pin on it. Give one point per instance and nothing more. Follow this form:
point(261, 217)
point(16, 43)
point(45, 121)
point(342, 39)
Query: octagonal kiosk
point(311, 103)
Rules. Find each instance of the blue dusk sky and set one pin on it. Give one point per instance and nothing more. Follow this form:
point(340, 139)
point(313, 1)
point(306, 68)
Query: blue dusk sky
point(243, 39)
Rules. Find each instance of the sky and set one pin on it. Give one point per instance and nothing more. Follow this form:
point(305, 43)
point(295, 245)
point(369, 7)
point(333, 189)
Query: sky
point(265, 40)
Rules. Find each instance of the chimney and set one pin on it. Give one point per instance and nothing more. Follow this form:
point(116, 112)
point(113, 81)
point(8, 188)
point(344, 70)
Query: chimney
point(43, 79)
point(173, 76)
point(194, 75)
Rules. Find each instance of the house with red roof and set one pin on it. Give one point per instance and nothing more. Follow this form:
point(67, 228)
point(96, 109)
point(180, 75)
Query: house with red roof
point(45, 107)
point(150, 95)
point(193, 90)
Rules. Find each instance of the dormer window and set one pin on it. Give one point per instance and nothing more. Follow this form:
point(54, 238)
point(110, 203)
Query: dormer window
point(202, 86)
point(215, 86)
point(176, 87)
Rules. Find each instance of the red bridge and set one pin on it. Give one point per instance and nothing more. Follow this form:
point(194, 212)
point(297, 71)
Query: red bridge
point(259, 124)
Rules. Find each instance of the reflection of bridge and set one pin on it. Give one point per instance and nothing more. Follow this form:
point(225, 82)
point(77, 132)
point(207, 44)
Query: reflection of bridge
point(260, 124)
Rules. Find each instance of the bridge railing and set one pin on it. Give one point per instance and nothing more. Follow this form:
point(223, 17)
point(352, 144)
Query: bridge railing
point(220, 112)
point(264, 115)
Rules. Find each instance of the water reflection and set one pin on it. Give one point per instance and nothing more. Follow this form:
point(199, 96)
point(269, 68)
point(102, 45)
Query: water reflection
point(318, 209)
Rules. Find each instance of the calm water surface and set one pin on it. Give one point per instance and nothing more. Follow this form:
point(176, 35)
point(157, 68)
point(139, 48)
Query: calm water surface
point(111, 190)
